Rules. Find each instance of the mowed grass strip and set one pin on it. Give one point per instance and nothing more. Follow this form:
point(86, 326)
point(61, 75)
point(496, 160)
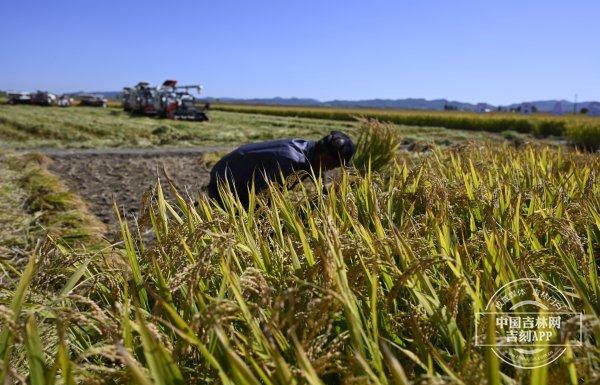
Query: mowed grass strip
point(85, 127)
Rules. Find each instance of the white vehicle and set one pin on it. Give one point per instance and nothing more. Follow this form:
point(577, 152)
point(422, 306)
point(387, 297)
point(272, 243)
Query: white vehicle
point(18, 97)
point(65, 101)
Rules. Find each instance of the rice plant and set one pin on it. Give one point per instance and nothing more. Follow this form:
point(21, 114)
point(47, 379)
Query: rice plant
point(582, 131)
point(377, 282)
point(377, 145)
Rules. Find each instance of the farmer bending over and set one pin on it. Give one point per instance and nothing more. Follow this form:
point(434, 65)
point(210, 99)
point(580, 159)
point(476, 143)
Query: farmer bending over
point(259, 163)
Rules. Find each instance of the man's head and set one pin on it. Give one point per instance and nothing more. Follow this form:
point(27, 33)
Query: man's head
point(334, 150)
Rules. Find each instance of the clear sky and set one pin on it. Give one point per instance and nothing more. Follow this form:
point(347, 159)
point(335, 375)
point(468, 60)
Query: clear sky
point(492, 51)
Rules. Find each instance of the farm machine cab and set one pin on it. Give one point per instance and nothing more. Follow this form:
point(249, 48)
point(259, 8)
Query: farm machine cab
point(142, 99)
point(176, 102)
point(125, 95)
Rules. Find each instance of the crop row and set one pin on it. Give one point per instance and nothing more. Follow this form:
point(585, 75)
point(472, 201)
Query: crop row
point(583, 132)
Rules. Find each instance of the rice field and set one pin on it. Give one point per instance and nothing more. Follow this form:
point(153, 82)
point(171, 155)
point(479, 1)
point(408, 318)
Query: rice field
point(581, 131)
point(377, 282)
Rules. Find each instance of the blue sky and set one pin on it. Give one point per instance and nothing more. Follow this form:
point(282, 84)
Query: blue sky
point(493, 51)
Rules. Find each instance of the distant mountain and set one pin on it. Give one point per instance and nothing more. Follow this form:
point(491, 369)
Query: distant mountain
point(269, 101)
point(419, 104)
point(548, 105)
point(409, 103)
point(414, 104)
point(107, 94)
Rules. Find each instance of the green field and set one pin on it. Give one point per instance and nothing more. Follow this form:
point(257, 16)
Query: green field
point(380, 281)
point(81, 127)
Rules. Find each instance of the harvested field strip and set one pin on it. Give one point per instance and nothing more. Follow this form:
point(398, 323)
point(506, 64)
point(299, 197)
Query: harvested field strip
point(122, 176)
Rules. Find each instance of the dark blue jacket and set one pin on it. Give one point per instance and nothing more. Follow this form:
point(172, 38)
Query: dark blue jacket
point(259, 162)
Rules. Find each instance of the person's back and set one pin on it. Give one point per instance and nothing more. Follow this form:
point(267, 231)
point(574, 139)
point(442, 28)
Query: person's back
point(258, 163)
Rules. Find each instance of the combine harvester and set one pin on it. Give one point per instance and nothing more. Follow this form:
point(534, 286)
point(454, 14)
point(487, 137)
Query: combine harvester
point(93, 100)
point(43, 98)
point(167, 101)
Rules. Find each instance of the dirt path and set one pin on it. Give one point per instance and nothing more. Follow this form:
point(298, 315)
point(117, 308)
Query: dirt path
point(123, 175)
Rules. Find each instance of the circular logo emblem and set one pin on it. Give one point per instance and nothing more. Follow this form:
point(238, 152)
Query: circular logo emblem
point(529, 319)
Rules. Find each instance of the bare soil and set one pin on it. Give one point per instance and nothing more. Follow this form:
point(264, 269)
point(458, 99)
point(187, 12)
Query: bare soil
point(123, 176)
